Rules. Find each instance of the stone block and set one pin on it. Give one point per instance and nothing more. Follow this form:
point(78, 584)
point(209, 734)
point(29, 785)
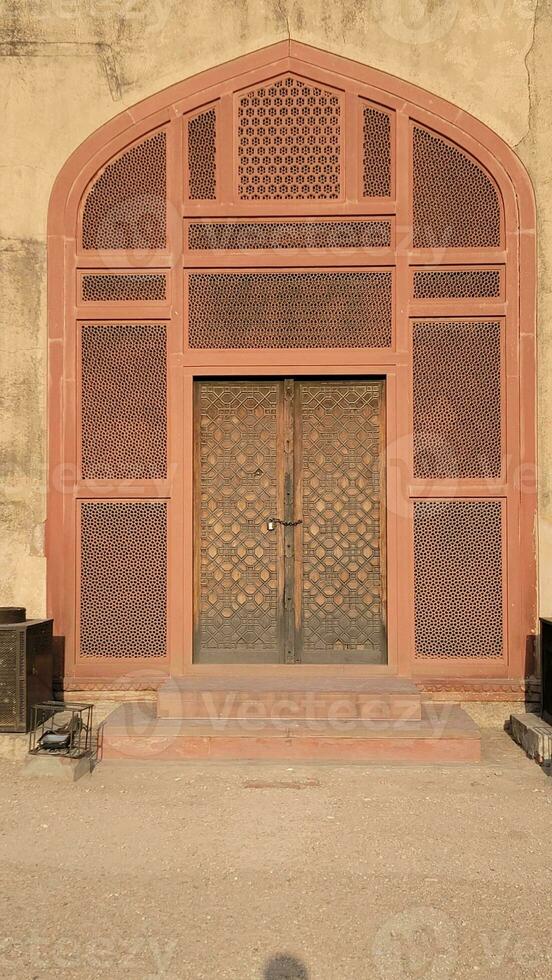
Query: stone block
point(533, 734)
point(57, 767)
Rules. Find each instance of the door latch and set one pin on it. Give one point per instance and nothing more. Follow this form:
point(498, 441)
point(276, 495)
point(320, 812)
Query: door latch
point(273, 521)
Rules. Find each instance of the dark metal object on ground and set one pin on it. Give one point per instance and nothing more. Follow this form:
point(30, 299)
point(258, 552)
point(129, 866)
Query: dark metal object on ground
point(26, 666)
point(61, 728)
point(546, 668)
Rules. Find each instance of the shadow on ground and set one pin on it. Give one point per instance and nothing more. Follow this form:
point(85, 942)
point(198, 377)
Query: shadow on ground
point(285, 967)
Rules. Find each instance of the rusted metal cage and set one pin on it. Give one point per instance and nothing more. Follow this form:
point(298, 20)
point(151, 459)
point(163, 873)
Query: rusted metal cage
point(61, 728)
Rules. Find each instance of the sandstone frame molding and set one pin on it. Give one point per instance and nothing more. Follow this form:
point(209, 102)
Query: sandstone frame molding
point(513, 308)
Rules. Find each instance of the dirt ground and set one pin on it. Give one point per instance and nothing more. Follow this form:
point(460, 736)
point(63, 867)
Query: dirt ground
point(274, 872)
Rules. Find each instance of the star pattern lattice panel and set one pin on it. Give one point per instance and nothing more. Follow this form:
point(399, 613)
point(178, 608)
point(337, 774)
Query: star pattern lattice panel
point(289, 142)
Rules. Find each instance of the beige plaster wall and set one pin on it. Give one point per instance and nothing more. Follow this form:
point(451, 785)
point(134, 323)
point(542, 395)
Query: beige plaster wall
point(67, 66)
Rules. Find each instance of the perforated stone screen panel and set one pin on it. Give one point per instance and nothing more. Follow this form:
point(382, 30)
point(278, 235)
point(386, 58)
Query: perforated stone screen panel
point(123, 579)
point(126, 206)
point(293, 310)
point(455, 203)
point(457, 283)
point(376, 152)
point(123, 401)
point(458, 578)
point(236, 235)
point(289, 142)
point(457, 399)
point(123, 287)
point(202, 156)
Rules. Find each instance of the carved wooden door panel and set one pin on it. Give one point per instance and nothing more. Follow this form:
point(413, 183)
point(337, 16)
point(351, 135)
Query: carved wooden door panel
point(289, 491)
point(340, 482)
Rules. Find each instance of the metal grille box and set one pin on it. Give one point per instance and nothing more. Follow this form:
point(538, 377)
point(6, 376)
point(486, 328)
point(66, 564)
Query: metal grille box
point(26, 667)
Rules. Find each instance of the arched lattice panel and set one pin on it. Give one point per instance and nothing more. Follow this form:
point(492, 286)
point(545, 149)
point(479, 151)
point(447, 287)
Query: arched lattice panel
point(456, 204)
point(376, 151)
point(457, 399)
point(458, 578)
point(126, 206)
point(289, 140)
point(123, 579)
point(202, 155)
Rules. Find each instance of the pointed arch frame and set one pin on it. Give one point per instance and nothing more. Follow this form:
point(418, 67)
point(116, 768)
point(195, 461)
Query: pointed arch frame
point(164, 110)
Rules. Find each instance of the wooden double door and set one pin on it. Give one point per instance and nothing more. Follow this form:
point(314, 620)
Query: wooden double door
point(289, 521)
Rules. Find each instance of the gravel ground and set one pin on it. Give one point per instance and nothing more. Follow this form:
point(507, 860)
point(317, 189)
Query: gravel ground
point(272, 872)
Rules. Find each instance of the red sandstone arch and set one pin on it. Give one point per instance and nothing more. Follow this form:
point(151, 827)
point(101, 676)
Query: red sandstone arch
point(486, 184)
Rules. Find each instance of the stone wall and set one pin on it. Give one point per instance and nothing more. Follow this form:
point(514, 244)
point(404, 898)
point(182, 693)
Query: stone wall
point(68, 66)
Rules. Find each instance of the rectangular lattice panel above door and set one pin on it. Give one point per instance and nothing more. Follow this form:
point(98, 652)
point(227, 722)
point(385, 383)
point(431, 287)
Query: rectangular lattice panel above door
point(290, 310)
point(123, 579)
point(458, 578)
point(322, 234)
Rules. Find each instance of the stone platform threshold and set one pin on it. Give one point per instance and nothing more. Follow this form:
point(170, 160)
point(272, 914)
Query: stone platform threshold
point(291, 720)
point(278, 697)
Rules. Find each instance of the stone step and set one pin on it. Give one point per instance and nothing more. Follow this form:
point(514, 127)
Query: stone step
point(445, 734)
point(302, 697)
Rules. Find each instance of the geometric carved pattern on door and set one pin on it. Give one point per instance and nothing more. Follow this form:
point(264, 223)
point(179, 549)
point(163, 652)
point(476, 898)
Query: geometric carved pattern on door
point(343, 593)
point(309, 452)
point(238, 573)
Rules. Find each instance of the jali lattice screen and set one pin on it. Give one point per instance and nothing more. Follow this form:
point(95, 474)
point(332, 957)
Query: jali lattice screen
point(292, 216)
